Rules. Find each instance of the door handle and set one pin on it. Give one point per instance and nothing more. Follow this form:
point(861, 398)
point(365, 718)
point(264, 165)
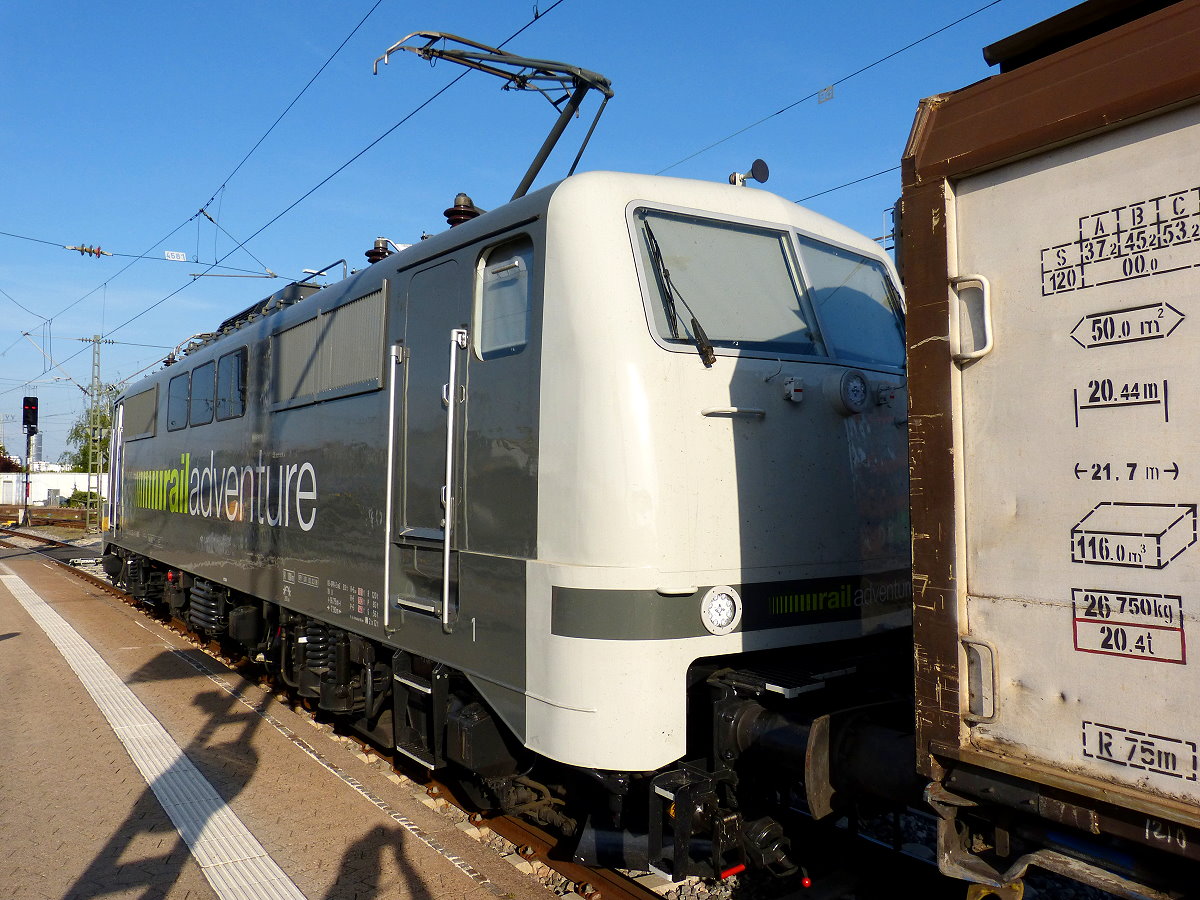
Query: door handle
point(739, 412)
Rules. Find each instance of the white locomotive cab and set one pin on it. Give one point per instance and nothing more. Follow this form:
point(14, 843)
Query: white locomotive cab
point(741, 425)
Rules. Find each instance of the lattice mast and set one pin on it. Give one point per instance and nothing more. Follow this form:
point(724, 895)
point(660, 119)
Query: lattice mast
point(97, 437)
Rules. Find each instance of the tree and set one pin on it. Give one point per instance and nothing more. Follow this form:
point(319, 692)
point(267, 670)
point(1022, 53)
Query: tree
point(80, 499)
point(7, 463)
point(82, 443)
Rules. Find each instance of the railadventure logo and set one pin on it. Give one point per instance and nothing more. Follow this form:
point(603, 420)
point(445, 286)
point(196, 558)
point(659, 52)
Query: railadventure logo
point(278, 494)
point(868, 593)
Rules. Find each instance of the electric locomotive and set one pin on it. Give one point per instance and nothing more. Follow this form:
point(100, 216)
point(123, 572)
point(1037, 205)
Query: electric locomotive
point(596, 502)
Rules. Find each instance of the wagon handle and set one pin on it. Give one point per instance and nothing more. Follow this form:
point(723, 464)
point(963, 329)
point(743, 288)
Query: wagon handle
point(986, 287)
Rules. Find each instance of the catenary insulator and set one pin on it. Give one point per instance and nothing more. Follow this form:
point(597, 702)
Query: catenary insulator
point(463, 210)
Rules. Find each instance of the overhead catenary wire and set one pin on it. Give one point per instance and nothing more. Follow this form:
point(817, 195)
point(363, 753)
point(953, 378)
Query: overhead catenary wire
point(104, 284)
point(204, 212)
point(847, 184)
point(195, 216)
point(146, 254)
point(815, 94)
point(288, 108)
point(21, 306)
point(219, 192)
point(114, 253)
point(537, 16)
point(4, 352)
point(55, 364)
point(123, 269)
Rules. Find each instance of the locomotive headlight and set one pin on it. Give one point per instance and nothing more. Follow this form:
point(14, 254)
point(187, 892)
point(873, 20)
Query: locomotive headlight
point(721, 609)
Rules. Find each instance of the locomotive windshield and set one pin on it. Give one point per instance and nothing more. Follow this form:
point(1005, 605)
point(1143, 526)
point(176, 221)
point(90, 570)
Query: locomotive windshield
point(742, 284)
point(858, 308)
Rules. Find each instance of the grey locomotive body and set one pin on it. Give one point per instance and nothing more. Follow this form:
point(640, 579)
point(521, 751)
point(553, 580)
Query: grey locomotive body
point(544, 492)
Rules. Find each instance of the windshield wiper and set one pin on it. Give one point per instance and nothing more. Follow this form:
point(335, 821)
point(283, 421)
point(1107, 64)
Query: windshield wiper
point(670, 294)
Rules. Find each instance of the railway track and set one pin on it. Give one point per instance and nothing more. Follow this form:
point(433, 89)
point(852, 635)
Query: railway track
point(35, 538)
point(82, 563)
point(535, 845)
point(72, 518)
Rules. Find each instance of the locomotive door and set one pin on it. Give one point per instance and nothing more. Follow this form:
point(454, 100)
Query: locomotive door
point(428, 478)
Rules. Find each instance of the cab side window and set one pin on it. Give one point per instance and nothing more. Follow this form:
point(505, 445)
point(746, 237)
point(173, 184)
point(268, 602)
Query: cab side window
point(503, 299)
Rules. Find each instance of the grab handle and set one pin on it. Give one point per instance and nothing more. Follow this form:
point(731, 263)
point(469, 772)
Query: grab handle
point(734, 412)
point(458, 341)
point(985, 288)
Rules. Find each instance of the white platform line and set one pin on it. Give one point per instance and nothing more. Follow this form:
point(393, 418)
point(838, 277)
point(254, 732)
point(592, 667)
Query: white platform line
point(235, 864)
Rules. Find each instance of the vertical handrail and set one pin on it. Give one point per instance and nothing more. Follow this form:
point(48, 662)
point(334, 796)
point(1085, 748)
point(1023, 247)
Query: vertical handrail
point(115, 466)
point(458, 341)
point(395, 355)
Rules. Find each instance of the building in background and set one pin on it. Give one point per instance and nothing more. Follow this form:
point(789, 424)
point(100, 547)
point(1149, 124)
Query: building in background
point(46, 488)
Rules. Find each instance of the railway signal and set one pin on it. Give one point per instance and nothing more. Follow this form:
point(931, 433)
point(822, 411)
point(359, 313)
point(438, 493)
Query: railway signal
point(29, 415)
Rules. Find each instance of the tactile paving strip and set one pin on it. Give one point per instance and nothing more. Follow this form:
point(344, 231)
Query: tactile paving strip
point(235, 864)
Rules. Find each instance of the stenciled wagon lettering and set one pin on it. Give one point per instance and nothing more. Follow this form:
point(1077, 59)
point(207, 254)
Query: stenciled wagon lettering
point(275, 495)
point(1054, 540)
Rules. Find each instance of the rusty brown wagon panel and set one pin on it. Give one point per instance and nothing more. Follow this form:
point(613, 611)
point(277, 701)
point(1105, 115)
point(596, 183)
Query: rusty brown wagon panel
point(1049, 267)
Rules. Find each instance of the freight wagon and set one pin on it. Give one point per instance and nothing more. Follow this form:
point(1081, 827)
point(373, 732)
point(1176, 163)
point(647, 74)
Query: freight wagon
point(1050, 252)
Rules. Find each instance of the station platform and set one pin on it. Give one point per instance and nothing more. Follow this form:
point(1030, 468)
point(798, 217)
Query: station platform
point(132, 765)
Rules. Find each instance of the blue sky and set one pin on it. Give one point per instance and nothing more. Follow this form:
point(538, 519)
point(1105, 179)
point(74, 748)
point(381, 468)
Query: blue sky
point(121, 121)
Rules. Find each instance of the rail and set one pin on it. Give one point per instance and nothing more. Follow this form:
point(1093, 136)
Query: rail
point(64, 516)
